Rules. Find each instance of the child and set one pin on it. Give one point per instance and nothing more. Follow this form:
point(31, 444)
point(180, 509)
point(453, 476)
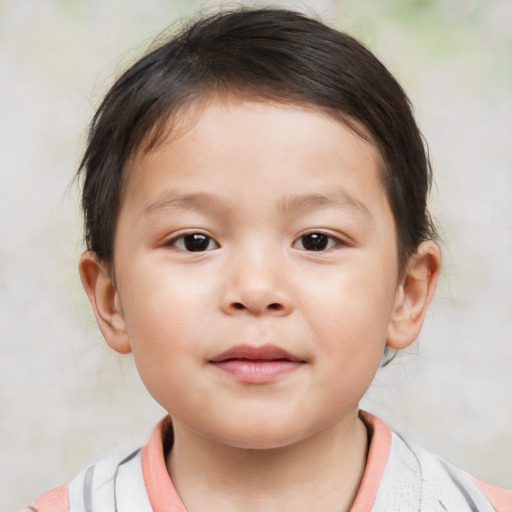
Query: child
point(257, 232)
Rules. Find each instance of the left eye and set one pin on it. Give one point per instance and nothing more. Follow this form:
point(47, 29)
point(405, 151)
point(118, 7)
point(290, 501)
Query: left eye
point(316, 242)
point(194, 242)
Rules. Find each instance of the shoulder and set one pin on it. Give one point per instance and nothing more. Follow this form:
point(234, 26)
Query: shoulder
point(105, 485)
point(117, 482)
point(402, 477)
point(437, 484)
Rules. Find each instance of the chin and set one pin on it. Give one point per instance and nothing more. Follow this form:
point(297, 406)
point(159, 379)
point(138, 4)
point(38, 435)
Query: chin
point(259, 444)
point(261, 437)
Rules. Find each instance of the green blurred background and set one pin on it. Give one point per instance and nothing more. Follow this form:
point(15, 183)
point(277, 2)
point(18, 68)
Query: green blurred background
point(66, 400)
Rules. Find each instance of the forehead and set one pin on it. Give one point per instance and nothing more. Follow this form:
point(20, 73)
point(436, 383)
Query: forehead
point(207, 108)
point(231, 145)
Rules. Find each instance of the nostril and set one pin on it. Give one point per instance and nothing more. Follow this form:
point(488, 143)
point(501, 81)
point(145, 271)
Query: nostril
point(275, 306)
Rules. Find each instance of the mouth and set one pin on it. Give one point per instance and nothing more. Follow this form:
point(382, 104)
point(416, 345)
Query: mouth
point(257, 365)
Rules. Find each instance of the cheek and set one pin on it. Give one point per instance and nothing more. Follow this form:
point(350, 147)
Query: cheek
point(163, 345)
point(349, 316)
point(166, 301)
point(356, 299)
point(169, 325)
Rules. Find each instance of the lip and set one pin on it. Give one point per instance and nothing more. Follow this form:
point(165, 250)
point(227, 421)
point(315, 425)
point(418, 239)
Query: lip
point(257, 365)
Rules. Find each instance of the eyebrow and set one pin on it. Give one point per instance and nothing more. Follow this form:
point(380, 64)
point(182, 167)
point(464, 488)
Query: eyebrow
point(200, 201)
point(335, 199)
point(293, 204)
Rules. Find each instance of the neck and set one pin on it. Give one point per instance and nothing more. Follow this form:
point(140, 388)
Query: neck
point(322, 472)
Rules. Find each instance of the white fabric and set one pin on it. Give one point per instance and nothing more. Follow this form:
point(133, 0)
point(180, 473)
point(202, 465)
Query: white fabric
point(111, 485)
point(130, 487)
point(414, 480)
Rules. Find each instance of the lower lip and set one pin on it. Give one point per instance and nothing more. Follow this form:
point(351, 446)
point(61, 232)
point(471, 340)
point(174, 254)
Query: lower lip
point(258, 371)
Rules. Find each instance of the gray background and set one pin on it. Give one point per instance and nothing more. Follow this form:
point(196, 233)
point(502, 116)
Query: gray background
point(65, 399)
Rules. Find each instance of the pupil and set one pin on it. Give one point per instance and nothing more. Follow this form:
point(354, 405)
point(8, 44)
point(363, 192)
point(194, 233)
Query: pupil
point(196, 242)
point(314, 242)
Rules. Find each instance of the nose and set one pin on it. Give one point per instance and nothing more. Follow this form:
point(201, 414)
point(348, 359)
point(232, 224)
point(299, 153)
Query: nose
point(256, 286)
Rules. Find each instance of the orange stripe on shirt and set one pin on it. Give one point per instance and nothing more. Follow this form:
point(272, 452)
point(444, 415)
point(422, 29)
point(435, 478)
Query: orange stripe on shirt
point(500, 499)
point(380, 444)
point(56, 500)
point(161, 492)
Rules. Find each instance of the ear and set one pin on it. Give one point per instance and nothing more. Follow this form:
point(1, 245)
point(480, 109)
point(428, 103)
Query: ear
point(413, 295)
point(99, 285)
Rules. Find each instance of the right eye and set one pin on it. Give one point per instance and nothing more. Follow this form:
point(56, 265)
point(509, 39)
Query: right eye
point(194, 242)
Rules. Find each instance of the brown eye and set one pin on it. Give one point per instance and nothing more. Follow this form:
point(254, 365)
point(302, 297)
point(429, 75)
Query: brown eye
point(316, 242)
point(194, 242)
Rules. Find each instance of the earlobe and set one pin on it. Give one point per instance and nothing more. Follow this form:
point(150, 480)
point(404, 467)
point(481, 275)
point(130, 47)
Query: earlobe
point(413, 295)
point(104, 298)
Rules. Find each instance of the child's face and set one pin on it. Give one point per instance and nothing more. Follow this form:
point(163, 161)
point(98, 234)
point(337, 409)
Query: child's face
point(261, 186)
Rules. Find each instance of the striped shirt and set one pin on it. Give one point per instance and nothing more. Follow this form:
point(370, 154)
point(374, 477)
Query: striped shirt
point(399, 477)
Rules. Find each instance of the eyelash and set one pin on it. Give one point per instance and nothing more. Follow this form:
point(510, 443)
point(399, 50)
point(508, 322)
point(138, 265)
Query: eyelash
point(199, 242)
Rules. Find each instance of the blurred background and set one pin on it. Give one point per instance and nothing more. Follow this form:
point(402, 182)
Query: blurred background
point(65, 399)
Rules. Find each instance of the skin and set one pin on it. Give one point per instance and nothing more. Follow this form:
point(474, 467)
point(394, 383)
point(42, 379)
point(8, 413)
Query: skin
point(256, 179)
